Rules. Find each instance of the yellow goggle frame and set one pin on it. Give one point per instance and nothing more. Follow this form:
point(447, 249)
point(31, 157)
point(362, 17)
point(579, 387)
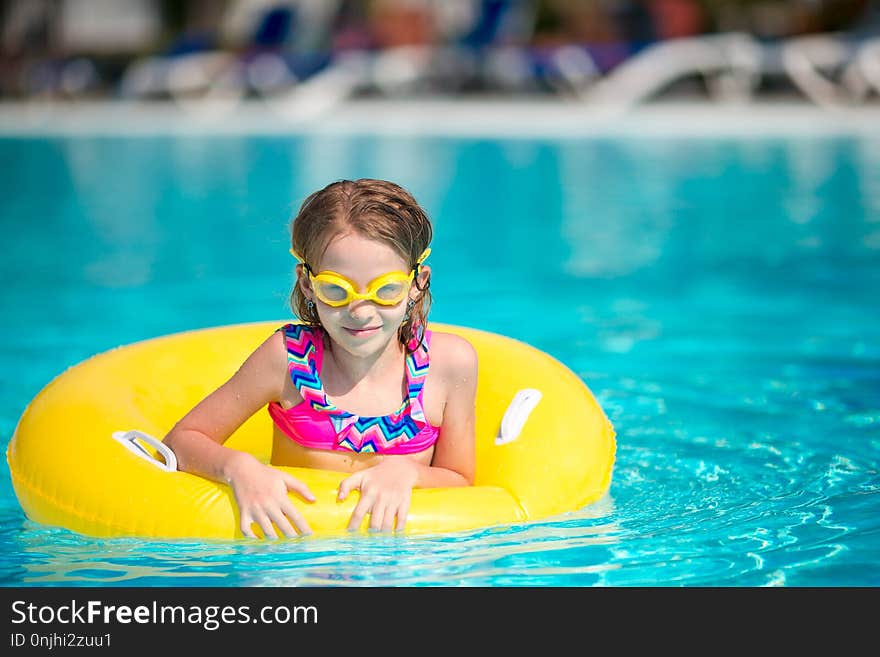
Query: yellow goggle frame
point(337, 290)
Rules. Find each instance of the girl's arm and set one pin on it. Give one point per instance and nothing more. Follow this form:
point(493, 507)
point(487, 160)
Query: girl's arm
point(454, 453)
point(197, 442)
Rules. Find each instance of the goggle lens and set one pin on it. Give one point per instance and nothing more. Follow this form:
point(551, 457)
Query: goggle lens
point(330, 293)
point(392, 292)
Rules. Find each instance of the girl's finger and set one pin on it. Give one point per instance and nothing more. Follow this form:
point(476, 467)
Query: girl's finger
point(348, 484)
point(389, 515)
point(245, 525)
point(384, 517)
point(402, 514)
point(282, 523)
point(357, 516)
point(296, 518)
point(377, 515)
point(298, 486)
point(266, 525)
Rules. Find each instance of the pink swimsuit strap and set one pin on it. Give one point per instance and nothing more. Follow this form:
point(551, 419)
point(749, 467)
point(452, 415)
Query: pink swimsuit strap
point(319, 424)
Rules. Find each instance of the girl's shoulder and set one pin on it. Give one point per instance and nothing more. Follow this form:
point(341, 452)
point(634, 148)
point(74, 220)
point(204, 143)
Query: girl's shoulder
point(452, 355)
point(264, 370)
point(274, 349)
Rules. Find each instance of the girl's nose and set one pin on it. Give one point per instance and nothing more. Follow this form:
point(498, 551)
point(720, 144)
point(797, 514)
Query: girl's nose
point(359, 309)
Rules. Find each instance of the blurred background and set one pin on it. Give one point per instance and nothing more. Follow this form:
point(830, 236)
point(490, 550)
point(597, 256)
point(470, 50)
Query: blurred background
point(625, 51)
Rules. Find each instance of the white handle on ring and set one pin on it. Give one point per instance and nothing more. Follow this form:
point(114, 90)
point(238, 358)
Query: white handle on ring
point(129, 439)
point(524, 401)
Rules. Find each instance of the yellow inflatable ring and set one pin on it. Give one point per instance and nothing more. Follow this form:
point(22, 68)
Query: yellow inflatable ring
point(555, 453)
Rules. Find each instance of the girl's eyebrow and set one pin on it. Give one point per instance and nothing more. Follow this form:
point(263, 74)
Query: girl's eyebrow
point(384, 270)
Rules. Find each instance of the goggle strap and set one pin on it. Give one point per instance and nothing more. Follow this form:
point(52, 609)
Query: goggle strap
point(301, 259)
point(417, 269)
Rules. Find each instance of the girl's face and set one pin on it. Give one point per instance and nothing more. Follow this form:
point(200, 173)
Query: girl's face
point(361, 327)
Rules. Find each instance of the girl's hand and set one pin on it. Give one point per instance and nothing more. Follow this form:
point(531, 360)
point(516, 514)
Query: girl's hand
point(386, 491)
point(261, 494)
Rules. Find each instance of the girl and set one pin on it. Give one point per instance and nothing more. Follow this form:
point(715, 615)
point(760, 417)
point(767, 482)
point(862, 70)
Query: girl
point(333, 383)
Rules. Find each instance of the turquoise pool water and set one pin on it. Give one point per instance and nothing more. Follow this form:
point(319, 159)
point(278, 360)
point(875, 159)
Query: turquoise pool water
point(719, 296)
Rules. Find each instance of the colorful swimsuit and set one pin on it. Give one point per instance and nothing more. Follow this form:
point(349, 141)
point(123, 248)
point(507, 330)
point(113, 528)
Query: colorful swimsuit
point(317, 423)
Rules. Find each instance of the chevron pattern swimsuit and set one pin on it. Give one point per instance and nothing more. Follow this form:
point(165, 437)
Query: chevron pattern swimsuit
point(318, 424)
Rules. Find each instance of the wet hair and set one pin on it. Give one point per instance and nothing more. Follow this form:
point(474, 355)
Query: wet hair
point(375, 209)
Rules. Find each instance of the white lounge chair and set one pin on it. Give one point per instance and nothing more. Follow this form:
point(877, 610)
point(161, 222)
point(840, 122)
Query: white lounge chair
point(730, 63)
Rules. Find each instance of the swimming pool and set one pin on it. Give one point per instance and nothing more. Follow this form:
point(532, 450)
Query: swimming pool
point(717, 293)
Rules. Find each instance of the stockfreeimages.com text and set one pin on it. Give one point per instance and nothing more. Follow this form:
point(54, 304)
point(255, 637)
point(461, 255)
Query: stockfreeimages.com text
point(211, 617)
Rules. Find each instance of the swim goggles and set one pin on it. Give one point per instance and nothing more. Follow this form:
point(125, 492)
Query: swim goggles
point(337, 290)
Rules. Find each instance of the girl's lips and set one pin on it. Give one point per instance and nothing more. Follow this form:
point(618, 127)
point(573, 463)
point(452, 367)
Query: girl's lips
point(362, 332)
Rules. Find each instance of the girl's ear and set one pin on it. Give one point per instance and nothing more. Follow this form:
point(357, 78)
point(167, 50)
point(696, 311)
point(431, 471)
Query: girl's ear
point(422, 280)
point(303, 281)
